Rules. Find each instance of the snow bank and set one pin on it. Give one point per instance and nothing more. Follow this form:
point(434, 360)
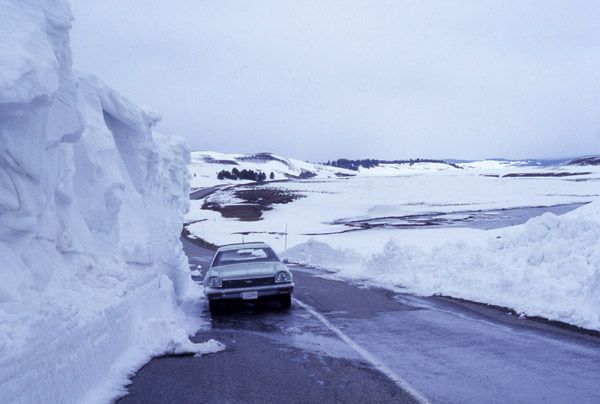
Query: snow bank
point(549, 266)
point(91, 206)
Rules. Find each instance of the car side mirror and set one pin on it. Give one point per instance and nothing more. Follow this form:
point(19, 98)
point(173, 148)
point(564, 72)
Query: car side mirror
point(286, 261)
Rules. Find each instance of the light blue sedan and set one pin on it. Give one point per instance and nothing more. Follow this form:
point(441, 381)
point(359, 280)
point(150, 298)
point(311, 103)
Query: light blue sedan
point(247, 271)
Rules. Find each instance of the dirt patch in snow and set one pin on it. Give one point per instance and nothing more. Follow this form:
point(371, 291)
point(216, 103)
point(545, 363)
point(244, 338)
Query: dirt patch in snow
point(254, 201)
point(549, 174)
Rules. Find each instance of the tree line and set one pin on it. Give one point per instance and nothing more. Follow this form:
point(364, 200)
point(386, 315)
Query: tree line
point(370, 163)
point(244, 174)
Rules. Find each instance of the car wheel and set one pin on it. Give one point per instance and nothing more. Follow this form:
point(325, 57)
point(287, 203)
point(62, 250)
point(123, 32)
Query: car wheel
point(285, 301)
point(214, 306)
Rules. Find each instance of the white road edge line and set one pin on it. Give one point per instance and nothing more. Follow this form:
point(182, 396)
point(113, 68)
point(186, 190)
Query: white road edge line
point(366, 355)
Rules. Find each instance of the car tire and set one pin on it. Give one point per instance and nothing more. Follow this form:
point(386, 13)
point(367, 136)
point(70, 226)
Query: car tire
point(285, 301)
point(214, 306)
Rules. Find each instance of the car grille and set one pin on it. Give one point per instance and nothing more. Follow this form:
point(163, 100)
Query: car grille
point(245, 283)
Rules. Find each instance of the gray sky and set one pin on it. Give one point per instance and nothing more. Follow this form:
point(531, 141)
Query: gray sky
point(325, 79)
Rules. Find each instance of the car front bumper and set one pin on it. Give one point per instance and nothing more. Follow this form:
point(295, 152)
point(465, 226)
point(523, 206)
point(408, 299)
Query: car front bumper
point(236, 293)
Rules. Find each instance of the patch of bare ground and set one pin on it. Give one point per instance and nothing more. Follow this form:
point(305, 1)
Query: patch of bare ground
point(549, 174)
point(255, 201)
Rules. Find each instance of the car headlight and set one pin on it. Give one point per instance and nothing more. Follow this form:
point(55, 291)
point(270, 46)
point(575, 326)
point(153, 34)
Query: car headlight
point(214, 282)
point(282, 276)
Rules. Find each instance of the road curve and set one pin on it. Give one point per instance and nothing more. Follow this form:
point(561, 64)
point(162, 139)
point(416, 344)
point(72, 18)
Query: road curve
point(409, 347)
point(272, 356)
point(204, 192)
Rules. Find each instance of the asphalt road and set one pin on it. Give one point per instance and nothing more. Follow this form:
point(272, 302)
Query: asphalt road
point(344, 342)
point(204, 192)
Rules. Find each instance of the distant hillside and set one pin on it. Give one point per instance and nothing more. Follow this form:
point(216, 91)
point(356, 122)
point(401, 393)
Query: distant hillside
point(208, 168)
point(585, 161)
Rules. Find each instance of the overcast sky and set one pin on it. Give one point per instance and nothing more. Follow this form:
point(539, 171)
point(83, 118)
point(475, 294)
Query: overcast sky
point(322, 79)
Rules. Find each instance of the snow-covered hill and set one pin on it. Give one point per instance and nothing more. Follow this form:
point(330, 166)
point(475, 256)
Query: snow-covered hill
point(205, 165)
point(91, 206)
point(585, 161)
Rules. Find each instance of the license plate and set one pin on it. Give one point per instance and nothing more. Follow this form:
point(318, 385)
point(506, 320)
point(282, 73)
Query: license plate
point(249, 295)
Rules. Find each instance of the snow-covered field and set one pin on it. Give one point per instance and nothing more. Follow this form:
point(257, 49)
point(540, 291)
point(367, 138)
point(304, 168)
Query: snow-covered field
point(548, 266)
point(91, 206)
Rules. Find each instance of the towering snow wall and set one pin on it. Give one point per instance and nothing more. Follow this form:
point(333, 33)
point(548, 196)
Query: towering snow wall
point(91, 206)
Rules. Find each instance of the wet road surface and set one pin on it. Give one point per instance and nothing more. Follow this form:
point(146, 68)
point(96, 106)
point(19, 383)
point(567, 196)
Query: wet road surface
point(344, 342)
point(204, 192)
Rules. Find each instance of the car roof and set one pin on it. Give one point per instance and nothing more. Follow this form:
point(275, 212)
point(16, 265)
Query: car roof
point(237, 246)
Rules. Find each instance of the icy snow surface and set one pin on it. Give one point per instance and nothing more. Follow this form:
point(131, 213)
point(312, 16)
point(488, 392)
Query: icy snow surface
point(91, 206)
point(548, 266)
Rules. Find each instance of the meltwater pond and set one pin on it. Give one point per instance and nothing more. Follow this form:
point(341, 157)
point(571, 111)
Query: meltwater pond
point(480, 219)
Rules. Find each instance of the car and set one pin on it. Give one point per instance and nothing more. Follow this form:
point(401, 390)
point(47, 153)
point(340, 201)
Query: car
point(247, 272)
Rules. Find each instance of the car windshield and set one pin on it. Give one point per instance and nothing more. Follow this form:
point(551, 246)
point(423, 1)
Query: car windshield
point(243, 255)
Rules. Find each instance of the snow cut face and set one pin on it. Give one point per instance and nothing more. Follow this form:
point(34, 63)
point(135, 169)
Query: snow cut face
point(40, 119)
point(91, 206)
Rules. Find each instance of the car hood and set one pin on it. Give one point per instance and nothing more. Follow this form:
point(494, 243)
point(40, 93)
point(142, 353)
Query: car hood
point(249, 270)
